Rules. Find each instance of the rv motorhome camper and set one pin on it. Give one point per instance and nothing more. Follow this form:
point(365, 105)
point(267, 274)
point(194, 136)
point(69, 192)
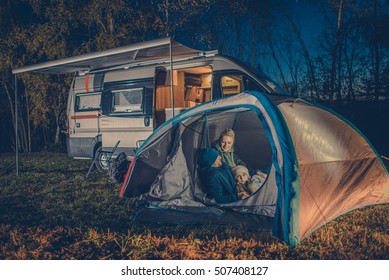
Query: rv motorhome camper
point(124, 94)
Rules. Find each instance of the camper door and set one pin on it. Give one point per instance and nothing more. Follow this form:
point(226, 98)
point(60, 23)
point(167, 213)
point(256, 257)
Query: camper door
point(84, 124)
point(86, 116)
point(187, 87)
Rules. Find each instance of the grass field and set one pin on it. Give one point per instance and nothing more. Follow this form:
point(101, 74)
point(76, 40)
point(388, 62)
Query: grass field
point(52, 212)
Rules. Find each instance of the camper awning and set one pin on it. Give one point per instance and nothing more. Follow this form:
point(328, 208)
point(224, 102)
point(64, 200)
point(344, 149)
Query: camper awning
point(136, 53)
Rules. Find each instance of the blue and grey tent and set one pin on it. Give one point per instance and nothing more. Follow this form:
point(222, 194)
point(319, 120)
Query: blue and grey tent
point(321, 166)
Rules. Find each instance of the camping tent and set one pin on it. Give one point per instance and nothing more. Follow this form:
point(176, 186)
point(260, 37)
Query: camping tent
point(320, 166)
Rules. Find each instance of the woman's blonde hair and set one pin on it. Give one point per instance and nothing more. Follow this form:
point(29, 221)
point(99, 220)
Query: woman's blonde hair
point(227, 132)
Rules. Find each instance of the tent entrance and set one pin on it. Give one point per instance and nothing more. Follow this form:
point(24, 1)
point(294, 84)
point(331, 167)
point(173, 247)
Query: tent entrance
point(177, 186)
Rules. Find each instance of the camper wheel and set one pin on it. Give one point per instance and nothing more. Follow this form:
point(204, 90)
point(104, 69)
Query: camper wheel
point(102, 161)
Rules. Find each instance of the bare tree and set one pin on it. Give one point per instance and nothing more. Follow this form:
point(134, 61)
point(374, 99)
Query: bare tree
point(275, 56)
point(307, 57)
point(376, 58)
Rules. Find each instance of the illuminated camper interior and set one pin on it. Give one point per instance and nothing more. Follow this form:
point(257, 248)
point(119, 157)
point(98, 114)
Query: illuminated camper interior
point(191, 87)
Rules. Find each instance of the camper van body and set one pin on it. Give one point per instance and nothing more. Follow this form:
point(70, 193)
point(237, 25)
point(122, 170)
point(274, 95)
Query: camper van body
point(129, 104)
point(124, 94)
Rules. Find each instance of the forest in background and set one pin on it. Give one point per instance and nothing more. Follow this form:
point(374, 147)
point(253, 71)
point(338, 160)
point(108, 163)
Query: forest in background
point(344, 64)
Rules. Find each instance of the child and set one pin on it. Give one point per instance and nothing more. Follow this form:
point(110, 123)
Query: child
point(244, 182)
point(217, 178)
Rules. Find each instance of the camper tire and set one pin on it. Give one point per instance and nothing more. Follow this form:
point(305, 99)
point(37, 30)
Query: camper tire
point(101, 162)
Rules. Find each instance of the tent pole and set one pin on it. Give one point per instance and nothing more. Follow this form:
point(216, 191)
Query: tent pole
point(16, 127)
point(171, 76)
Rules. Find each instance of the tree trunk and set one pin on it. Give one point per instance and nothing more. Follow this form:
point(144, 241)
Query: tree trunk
point(339, 87)
point(376, 53)
point(11, 108)
point(28, 139)
point(167, 26)
point(270, 42)
point(22, 135)
point(349, 68)
point(293, 70)
point(335, 56)
point(57, 129)
point(310, 67)
point(253, 43)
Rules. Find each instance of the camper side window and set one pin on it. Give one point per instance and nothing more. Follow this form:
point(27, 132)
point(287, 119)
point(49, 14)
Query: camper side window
point(231, 84)
point(235, 83)
point(88, 102)
point(252, 85)
point(127, 100)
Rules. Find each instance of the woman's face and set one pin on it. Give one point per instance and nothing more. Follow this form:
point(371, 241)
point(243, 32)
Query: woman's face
point(218, 162)
point(226, 143)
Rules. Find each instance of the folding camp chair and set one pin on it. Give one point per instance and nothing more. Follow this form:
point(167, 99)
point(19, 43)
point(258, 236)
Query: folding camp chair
point(103, 157)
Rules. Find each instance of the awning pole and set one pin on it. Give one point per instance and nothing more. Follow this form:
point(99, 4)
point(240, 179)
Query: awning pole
point(171, 75)
point(16, 127)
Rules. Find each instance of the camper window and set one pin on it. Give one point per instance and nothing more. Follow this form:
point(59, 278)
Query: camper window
point(88, 102)
point(249, 84)
point(127, 100)
point(231, 84)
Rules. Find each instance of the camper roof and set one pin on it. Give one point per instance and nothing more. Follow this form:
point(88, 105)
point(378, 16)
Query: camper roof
point(136, 53)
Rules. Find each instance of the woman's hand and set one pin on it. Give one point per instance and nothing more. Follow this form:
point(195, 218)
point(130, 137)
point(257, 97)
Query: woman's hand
point(243, 195)
point(260, 173)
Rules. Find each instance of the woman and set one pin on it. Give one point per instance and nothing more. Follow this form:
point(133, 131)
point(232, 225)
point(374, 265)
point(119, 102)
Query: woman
point(225, 146)
point(217, 178)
